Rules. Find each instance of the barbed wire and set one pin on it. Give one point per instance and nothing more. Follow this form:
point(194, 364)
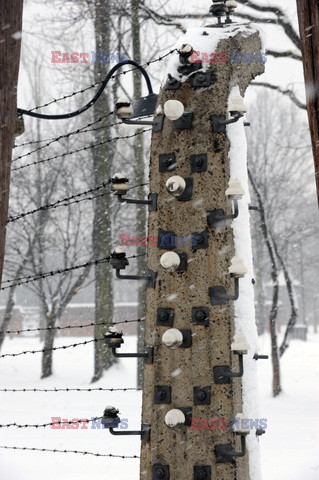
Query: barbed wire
point(51, 349)
point(33, 278)
point(33, 449)
point(91, 324)
point(71, 133)
point(50, 424)
point(67, 135)
point(114, 139)
point(64, 202)
point(64, 97)
point(44, 390)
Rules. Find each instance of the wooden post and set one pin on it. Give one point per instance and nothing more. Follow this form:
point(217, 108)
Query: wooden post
point(10, 42)
point(308, 14)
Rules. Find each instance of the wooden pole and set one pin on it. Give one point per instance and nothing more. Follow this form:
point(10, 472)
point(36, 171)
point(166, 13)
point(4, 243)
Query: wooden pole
point(11, 25)
point(308, 13)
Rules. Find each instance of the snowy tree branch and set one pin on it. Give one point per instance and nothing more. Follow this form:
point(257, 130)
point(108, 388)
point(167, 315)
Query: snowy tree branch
point(287, 92)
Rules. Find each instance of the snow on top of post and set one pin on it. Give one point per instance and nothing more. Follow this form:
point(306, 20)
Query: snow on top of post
point(244, 307)
point(205, 40)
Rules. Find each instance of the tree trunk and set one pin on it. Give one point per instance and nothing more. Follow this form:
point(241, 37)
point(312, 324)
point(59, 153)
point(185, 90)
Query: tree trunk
point(102, 236)
point(139, 176)
point(48, 344)
point(276, 385)
point(11, 20)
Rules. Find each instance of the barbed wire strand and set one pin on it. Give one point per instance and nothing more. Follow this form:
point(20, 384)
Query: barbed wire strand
point(33, 278)
point(67, 135)
point(33, 449)
point(114, 139)
point(64, 202)
point(64, 97)
point(50, 424)
point(44, 390)
point(51, 349)
point(91, 324)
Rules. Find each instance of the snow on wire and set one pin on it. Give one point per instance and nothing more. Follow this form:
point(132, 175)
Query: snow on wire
point(33, 449)
point(33, 278)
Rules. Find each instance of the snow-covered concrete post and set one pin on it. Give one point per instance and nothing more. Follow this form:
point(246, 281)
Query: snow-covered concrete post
point(202, 376)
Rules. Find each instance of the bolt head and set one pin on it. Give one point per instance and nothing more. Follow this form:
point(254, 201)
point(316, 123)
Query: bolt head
point(200, 315)
point(159, 473)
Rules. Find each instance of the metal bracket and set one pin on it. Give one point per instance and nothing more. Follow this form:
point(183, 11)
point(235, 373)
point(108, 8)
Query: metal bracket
point(218, 124)
point(160, 472)
point(145, 432)
point(202, 395)
point(188, 192)
point(151, 202)
point(199, 163)
point(200, 316)
point(202, 472)
point(183, 265)
point(200, 240)
point(148, 355)
point(223, 373)
point(158, 123)
point(172, 83)
point(189, 68)
point(150, 277)
point(260, 357)
point(203, 79)
point(218, 295)
point(167, 162)
point(188, 412)
point(217, 218)
point(187, 339)
point(185, 122)
point(162, 395)
point(164, 238)
point(165, 317)
point(226, 453)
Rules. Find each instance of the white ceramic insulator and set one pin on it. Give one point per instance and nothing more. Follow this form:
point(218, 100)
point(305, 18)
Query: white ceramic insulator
point(176, 185)
point(170, 261)
point(235, 189)
point(173, 109)
point(175, 418)
point(237, 268)
point(240, 344)
point(172, 338)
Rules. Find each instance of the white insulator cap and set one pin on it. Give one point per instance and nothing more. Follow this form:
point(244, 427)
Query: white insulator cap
point(120, 186)
point(115, 330)
point(172, 338)
point(240, 344)
point(173, 109)
point(170, 261)
point(237, 105)
point(123, 107)
point(231, 4)
point(239, 427)
point(176, 185)
point(119, 250)
point(185, 49)
point(235, 189)
point(175, 418)
point(237, 268)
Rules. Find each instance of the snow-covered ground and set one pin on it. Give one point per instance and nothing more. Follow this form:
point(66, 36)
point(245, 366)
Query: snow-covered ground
point(289, 448)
